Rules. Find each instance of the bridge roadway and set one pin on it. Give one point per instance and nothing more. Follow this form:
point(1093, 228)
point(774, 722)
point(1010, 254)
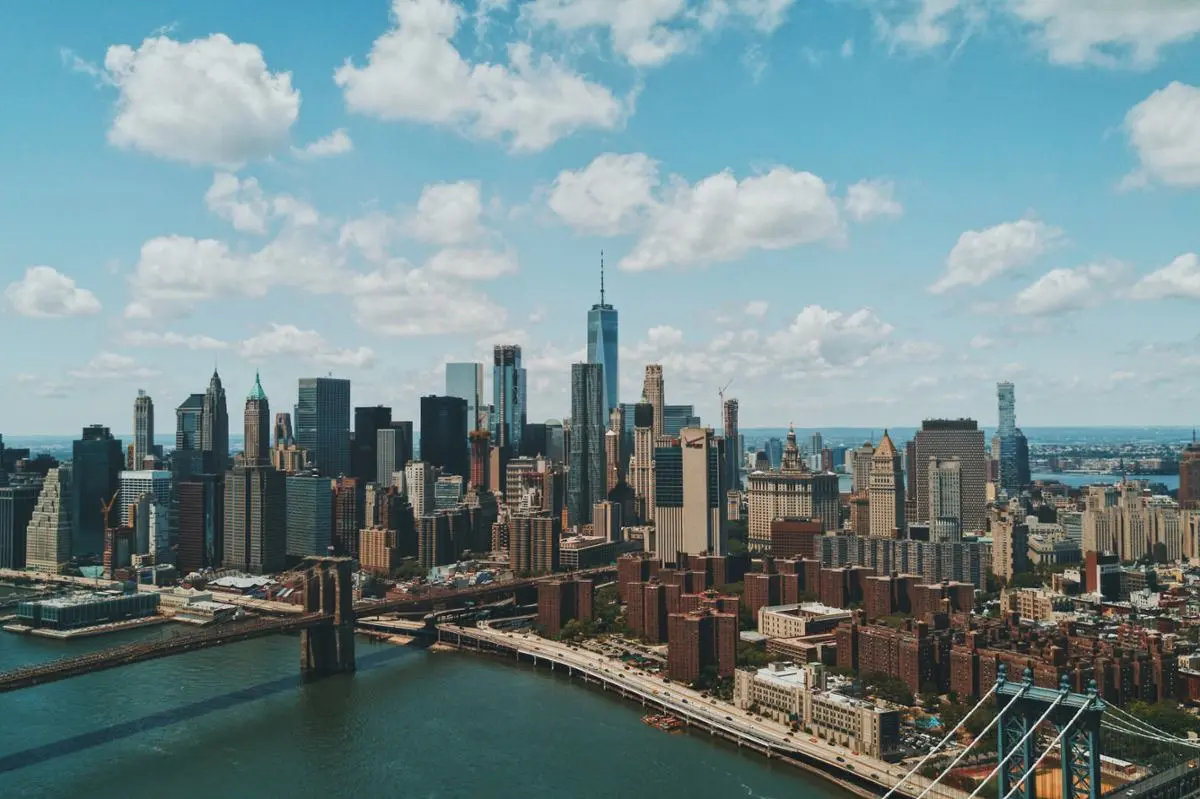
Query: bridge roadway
point(228, 633)
point(852, 772)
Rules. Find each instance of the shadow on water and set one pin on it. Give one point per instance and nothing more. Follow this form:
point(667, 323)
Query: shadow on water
point(165, 718)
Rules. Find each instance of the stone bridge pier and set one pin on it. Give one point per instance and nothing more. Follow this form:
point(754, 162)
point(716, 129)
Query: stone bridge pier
point(328, 648)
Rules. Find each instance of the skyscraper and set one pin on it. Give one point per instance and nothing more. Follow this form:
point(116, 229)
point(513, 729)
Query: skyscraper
point(1189, 475)
point(393, 449)
point(323, 423)
point(201, 522)
point(364, 455)
point(954, 438)
point(945, 499)
point(1006, 431)
point(652, 391)
point(309, 515)
point(508, 399)
point(257, 426)
point(886, 491)
point(48, 535)
point(214, 428)
point(143, 429)
point(16, 510)
point(96, 464)
point(641, 466)
point(444, 433)
point(733, 446)
point(465, 381)
point(188, 457)
point(586, 479)
point(602, 344)
point(255, 497)
point(689, 495)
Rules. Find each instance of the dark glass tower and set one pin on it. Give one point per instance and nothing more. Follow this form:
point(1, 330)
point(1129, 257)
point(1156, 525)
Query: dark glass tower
point(586, 480)
point(214, 428)
point(96, 460)
point(323, 423)
point(602, 344)
point(508, 399)
point(368, 421)
point(444, 433)
point(188, 457)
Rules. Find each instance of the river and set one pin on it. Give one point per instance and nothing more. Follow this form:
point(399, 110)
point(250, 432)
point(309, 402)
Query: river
point(236, 721)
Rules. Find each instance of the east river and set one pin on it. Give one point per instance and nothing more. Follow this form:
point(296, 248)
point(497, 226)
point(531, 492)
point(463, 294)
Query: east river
point(237, 722)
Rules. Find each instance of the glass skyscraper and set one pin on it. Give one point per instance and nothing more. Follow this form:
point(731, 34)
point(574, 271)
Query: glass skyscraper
point(586, 481)
point(602, 345)
point(465, 381)
point(323, 423)
point(508, 398)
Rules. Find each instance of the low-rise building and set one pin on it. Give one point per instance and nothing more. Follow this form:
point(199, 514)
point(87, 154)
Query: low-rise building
point(797, 621)
point(863, 726)
point(777, 691)
point(1034, 604)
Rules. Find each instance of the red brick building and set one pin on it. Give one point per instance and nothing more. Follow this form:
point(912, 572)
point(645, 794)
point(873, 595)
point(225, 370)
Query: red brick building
point(560, 601)
point(699, 640)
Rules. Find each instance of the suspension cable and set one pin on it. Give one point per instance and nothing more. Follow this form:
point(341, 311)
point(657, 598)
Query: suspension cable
point(1031, 772)
point(1116, 726)
point(1032, 729)
point(943, 742)
point(978, 738)
point(1134, 721)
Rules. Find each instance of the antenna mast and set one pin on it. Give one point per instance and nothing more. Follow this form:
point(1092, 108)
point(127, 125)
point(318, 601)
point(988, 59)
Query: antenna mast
point(602, 278)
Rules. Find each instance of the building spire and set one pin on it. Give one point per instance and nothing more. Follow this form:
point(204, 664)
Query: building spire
point(602, 278)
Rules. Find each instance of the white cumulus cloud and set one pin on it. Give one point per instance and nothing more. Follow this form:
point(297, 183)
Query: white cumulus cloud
point(832, 338)
point(111, 366)
point(152, 338)
point(1164, 131)
point(607, 195)
point(869, 199)
point(239, 202)
point(45, 293)
point(982, 255)
point(336, 143)
point(399, 300)
point(1062, 290)
point(1178, 279)
point(472, 264)
point(207, 101)
point(721, 218)
point(447, 214)
point(292, 341)
point(414, 72)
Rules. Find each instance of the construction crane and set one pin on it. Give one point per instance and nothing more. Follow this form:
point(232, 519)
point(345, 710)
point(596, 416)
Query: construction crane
point(106, 509)
point(721, 393)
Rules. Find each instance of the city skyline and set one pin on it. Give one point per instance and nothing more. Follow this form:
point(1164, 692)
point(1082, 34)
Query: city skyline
point(326, 215)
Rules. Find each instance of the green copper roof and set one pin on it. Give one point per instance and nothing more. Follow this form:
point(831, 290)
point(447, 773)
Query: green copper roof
point(257, 392)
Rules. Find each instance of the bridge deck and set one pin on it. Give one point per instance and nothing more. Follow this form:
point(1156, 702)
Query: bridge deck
point(135, 653)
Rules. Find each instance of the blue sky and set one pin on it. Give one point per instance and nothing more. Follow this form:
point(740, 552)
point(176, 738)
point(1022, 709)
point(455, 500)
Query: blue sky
point(860, 212)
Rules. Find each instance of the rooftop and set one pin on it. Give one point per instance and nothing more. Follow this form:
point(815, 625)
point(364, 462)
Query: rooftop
point(784, 675)
point(810, 609)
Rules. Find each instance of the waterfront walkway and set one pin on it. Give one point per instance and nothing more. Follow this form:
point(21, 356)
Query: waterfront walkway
point(863, 775)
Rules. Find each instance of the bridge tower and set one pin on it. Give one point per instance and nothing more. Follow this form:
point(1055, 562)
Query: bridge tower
point(328, 648)
point(1076, 716)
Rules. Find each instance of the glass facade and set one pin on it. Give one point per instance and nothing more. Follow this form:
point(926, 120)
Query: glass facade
point(87, 610)
point(309, 516)
point(465, 381)
point(508, 398)
point(323, 423)
point(586, 481)
point(602, 348)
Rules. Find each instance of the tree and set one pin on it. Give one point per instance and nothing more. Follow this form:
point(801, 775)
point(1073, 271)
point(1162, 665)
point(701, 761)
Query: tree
point(1025, 580)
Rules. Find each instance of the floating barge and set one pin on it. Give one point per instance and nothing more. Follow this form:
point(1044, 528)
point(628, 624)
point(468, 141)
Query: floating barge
point(664, 721)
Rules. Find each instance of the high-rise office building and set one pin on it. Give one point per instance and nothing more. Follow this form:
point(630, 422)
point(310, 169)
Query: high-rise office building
point(214, 427)
point(364, 454)
point(200, 509)
point(641, 465)
point(143, 429)
point(419, 481)
point(945, 499)
point(533, 542)
point(1006, 432)
point(465, 381)
point(689, 496)
point(586, 479)
point(255, 519)
point(48, 534)
point(257, 429)
point(323, 423)
point(653, 392)
point(349, 513)
point(283, 435)
point(677, 417)
point(602, 345)
point(188, 457)
point(309, 515)
point(17, 502)
point(556, 448)
point(886, 491)
point(135, 484)
point(508, 400)
point(954, 438)
point(481, 460)
point(393, 449)
point(791, 492)
point(733, 445)
point(444, 425)
point(96, 464)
